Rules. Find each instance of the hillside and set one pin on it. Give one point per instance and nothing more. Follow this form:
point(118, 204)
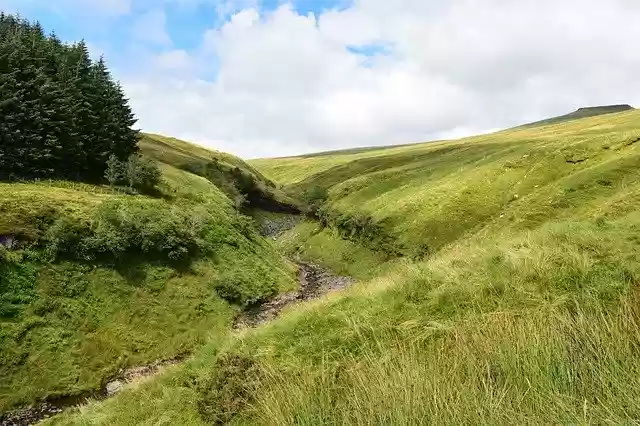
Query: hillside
point(499, 285)
point(94, 280)
point(241, 182)
point(425, 196)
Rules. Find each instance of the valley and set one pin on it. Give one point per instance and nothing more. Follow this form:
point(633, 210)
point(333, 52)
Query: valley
point(497, 282)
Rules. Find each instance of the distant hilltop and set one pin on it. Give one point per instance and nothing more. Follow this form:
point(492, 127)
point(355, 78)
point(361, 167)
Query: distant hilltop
point(582, 113)
point(606, 109)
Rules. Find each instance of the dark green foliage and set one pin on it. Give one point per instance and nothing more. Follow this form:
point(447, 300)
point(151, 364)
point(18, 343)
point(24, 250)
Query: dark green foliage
point(244, 289)
point(315, 197)
point(229, 389)
point(114, 172)
point(61, 114)
point(142, 173)
point(364, 230)
point(155, 229)
point(243, 187)
point(137, 172)
point(17, 282)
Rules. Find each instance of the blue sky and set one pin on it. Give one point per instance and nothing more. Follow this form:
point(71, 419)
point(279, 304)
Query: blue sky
point(271, 78)
point(111, 27)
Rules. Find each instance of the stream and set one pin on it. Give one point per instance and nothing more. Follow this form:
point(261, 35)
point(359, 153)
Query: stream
point(315, 282)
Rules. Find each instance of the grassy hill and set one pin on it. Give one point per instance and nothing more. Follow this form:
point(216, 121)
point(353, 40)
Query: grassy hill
point(425, 196)
point(510, 295)
point(240, 181)
point(96, 280)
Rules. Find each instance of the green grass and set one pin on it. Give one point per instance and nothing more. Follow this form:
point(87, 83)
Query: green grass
point(236, 178)
point(429, 195)
point(176, 152)
point(524, 308)
point(67, 325)
point(310, 241)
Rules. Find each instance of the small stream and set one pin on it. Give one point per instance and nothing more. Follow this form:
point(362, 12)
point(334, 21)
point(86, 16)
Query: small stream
point(315, 282)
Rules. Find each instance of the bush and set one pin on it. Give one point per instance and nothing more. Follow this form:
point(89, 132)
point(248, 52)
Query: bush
point(230, 388)
point(137, 172)
point(315, 198)
point(366, 231)
point(143, 173)
point(115, 170)
point(155, 229)
point(243, 289)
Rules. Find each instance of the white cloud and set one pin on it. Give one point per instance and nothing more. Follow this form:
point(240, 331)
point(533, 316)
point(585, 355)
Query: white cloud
point(151, 28)
point(287, 84)
point(174, 60)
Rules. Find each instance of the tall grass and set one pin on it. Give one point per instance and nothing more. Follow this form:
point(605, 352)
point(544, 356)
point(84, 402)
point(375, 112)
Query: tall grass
point(542, 329)
point(530, 367)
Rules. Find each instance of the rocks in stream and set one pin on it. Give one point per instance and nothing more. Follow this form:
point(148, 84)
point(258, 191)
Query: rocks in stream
point(114, 387)
point(38, 412)
point(315, 281)
point(29, 415)
point(273, 227)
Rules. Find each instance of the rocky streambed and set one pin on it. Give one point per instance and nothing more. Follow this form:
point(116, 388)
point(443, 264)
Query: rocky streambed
point(37, 412)
point(315, 281)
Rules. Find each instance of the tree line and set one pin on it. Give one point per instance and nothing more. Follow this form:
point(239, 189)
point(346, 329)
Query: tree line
point(62, 115)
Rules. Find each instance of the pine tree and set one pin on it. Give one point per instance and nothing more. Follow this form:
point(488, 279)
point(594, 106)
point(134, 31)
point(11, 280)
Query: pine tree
point(61, 114)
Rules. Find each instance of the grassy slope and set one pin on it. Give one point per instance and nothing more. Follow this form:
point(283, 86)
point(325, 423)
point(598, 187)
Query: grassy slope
point(198, 160)
point(68, 326)
point(526, 311)
point(177, 152)
point(432, 194)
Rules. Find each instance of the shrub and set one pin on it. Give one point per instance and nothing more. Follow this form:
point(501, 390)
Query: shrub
point(241, 288)
point(137, 172)
point(114, 172)
point(155, 229)
point(143, 173)
point(316, 197)
point(230, 388)
point(68, 235)
point(366, 231)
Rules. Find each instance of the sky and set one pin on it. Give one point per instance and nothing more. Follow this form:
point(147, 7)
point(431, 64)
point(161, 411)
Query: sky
point(266, 78)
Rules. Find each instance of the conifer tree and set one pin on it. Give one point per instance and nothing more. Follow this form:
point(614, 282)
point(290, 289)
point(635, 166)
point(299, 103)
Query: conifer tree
point(62, 115)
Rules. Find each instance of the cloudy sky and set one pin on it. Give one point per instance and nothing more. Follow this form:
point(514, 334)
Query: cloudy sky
point(270, 78)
